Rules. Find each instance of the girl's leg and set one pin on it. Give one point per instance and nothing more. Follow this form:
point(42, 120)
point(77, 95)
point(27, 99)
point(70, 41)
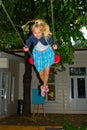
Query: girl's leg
point(41, 74)
point(46, 76)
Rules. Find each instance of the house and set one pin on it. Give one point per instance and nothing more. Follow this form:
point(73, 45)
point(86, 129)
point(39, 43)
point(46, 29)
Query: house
point(68, 89)
point(10, 65)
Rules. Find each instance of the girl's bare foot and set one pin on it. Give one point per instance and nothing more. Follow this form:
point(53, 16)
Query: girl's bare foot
point(46, 89)
point(42, 91)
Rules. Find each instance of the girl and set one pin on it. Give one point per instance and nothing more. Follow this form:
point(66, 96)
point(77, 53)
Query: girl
point(43, 53)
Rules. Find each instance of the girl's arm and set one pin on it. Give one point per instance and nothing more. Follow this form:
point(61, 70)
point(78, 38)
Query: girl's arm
point(55, 46)
point(28, 44)
point(25, 48)
point(53, 43)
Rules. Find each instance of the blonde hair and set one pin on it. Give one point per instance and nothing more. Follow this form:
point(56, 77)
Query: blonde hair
point(44, 27)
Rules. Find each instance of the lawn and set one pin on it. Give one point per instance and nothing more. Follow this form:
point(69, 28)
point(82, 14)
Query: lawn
point(49, 119)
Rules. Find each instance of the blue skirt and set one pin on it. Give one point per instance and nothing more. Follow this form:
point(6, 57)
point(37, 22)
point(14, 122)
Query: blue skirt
point(44, 58)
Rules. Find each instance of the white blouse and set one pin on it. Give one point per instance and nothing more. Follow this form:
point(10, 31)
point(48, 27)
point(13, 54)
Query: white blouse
point(40, 47)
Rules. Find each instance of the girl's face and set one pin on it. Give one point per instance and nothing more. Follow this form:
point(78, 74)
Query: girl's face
point(37, 33)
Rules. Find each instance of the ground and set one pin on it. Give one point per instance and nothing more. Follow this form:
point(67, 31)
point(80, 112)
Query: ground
point(49, 119)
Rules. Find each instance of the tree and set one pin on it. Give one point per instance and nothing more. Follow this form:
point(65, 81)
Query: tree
point(69, 17)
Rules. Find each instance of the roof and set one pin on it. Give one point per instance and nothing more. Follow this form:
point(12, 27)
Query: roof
point(20, 52)
point(15, 53)
point(81, 49)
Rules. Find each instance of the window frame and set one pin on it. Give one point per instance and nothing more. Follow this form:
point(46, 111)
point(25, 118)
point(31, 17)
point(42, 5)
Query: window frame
point(51, 83)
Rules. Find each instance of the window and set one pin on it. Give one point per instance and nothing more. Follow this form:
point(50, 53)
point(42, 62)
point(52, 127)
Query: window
point(73, 71)
point(72, 88)
point(81, 88)
point(78, 83)
point(12, 89)
point(4, 85)
point(51, 84)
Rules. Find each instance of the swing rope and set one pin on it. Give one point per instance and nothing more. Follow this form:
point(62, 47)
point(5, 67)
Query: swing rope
point(57, 57)
point(52, 19)
point(12, 23)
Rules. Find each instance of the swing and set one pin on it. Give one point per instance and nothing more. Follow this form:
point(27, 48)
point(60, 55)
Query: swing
point(57, 59)
point(57, 56)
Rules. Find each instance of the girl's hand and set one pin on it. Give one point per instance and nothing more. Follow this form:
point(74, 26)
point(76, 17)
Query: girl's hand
point(55, 47)
point(25, 49)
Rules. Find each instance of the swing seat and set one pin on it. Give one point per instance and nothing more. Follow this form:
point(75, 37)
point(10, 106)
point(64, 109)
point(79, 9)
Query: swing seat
point(31, 60)
point(57, 59)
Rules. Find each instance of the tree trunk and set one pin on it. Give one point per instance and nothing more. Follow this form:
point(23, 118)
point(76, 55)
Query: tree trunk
point(27, 87)
point(28, 68)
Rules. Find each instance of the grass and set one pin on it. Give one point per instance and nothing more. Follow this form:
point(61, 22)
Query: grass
point(77, 120)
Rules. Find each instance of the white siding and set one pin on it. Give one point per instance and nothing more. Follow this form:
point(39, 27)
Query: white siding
point(14, 71)
point(11, 64)
point(21, 73)
point(62, 94)
point(4, 63)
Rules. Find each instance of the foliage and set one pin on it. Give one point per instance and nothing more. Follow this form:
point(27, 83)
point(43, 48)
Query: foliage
point(84, 127)
point(68, 126)
point(69, 17)
point(11, 38)
point(81, 43)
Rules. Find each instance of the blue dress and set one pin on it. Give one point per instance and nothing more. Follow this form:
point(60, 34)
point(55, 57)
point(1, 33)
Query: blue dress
point(42, 59)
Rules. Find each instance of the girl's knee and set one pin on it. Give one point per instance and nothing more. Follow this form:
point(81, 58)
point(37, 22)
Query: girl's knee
point(41, 73)
point(47, 74)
